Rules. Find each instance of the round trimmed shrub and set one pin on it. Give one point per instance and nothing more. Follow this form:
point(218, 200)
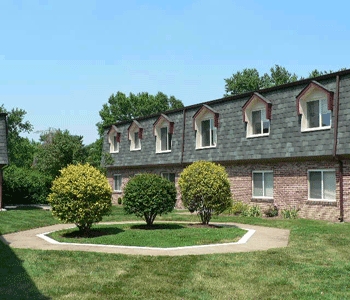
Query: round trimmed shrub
point(205, 189)
point(80, 195)
point(148, 195)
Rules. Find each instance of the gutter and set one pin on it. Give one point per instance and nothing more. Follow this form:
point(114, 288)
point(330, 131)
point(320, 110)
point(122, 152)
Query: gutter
point(337, 157)
point(183, 135)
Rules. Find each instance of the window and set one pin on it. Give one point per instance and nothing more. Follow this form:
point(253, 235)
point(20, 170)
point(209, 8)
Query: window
point(163, 130)
point(208, 133)
point(318, 114)
point(169, 176)
point(206, 123)
point(135, 132)
point(262, 184)
point(113, 139)
point(322, 185)
point(117, 184)
point(137, 143)
point(257, 115)
point(315, 104)
point(165, 139)
point(260, 124)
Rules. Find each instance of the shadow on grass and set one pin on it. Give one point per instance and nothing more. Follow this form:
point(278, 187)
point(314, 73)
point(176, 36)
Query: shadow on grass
point(24, 207)
point(157, 226)
point(15, 283)
point(94, 232)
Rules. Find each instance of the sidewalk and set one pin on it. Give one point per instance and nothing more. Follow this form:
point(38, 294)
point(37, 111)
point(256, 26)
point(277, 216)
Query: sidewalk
point(258, 238)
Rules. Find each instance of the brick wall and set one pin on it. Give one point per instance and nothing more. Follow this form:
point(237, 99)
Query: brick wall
point(290, 186)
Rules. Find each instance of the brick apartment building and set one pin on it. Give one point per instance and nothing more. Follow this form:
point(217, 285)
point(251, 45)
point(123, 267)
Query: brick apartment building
point(287, 145)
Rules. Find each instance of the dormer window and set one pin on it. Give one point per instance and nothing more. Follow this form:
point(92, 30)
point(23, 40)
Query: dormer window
point(257, 115)
point(135, 132)
point(315, 105)
point(113, 139)
point(163, 130)
point(206, 123)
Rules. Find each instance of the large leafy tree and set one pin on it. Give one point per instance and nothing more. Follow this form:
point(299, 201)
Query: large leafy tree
point(57, 150)
point(250, 80)
point(121, 107)
point(20, 149)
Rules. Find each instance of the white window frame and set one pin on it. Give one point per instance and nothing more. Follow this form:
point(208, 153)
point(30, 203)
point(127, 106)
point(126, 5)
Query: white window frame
point(113, 142)
point(263, 184)
point(115, 181)
point(133, 140)
point(158, 134)
point(322, 171)
point(212, 131)
point(167, 176)
point(314, 96)
point(257, 106)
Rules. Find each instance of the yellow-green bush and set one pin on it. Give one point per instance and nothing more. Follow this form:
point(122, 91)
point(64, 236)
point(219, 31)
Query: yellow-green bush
point(80, 195)
point(205, 188)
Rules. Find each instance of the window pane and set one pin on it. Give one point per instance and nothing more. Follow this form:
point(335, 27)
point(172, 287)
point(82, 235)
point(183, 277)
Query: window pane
point(172, 177)
point(137, 140)
point(169, 141)
point(315, 179)
point(115, 143)
point(266, 126)
point(329, 185)
point(256, 116)
point(257, 185)
point(163, 138)
point(326, 114)
point(268, 184)
point(205, 133)
point(313, 114)
point(117, 182)
point(213, 135)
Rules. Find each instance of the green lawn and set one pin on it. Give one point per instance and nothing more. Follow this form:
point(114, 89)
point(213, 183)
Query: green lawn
point(161, 235)
point(315, 265)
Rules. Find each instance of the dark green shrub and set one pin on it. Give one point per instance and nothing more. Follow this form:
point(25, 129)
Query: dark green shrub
point(25, 186)
point(205, 188)
point(271, 211)
point(80, 195)
point(149, 195)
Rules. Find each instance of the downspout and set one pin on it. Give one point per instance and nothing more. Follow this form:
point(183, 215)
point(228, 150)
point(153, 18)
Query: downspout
point(183, 135)
point(335, 144)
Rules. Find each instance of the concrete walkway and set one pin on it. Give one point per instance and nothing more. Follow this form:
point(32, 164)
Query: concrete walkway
point(257, 238)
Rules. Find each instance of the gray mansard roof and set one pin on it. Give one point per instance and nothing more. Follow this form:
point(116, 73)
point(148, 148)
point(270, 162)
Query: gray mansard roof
point(285, 141)
point(3, 140)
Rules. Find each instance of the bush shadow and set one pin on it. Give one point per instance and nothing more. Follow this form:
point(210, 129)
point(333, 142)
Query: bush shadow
point(157, 226)
point(94, 232)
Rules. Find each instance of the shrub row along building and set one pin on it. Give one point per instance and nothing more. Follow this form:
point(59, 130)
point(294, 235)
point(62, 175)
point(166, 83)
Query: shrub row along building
point(286, 145)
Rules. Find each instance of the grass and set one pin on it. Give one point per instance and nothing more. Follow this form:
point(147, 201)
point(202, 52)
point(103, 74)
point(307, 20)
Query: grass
point(315, 265)
point(177, 235)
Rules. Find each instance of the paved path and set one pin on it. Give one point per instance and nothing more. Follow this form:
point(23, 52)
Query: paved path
point(257, 238)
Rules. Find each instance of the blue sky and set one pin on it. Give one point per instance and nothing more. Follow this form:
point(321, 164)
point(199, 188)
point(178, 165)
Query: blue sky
point(61, 60)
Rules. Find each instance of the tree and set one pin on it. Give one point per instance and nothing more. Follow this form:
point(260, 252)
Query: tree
point(80, 195)
point(20, 150)
point(25, 186)
point(123, 108)
point(149, 195)
point(250, 80)
point(205, 188)
point(57, 150)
